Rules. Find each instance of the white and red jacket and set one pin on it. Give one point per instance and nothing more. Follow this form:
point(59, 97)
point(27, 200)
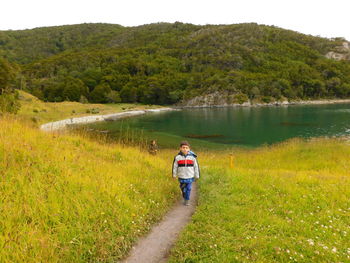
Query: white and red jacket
point(185, 166)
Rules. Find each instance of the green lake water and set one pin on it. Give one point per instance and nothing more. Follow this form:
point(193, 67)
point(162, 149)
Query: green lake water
point(243, 126)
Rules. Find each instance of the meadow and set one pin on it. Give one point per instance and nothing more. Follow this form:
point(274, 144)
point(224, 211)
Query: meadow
point(85, 197)
point(65, 198)
point(285, 203)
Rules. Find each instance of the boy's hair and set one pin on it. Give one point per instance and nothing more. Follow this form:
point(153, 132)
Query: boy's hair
point(184, 143)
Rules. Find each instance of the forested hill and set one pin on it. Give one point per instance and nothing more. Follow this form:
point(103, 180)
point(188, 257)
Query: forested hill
point(165, 63)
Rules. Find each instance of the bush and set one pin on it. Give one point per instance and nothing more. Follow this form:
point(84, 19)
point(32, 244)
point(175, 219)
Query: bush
point(240, 98)
point(266, 99)
point(83, 99)
point(93, 110)
point(113, 97)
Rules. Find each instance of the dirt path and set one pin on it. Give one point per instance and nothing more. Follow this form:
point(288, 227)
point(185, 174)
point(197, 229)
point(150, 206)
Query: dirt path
point(156, 245)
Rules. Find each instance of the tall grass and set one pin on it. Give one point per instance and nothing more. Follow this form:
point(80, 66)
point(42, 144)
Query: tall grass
point(123, 137)
point(66, 198)
point(286, 203)
point(123, 132)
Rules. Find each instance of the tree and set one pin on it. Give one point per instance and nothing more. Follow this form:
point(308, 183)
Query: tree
point(74, 89)
point(8, 96)
point(254, 92)
point(7, 75)
point(100, 93)
point(128, 94)
point(92, 77)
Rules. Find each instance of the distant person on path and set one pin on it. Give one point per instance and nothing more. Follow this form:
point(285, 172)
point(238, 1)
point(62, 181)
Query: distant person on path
point(186, 168)
point(153, 147)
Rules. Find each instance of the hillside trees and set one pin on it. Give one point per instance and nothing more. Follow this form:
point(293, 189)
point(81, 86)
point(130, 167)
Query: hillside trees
point(8, 96)
point(165, 63)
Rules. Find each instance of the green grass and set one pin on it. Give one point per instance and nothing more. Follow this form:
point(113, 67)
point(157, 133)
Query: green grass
point(66, 198)
point(286, 203)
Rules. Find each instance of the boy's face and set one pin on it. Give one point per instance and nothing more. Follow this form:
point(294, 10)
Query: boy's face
point(185, 149)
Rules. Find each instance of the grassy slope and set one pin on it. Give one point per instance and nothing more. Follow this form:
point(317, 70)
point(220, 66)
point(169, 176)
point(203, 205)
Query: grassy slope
point(288, 203)
point(42, 112)
point(67, 199)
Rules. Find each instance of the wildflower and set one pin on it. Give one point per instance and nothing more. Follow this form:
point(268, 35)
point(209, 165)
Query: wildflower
point(334, 250)
point(277, 249)
point(311, 242)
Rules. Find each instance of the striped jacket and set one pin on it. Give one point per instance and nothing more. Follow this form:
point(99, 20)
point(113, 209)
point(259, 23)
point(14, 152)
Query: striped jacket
point(185, 166)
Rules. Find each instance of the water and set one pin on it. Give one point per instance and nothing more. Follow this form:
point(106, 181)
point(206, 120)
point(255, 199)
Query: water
point(247, 126)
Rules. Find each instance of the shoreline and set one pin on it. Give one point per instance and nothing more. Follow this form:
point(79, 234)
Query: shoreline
point(277, 103)
point(61, 124)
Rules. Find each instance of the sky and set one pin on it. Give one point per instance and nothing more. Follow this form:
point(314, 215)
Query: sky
point(315, 17)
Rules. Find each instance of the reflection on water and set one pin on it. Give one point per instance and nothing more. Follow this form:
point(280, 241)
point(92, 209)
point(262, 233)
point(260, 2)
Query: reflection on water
point(251, 126)
point(298, 124)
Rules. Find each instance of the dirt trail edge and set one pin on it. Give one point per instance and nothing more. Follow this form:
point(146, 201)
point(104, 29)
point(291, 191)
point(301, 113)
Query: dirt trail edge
point(155, 247)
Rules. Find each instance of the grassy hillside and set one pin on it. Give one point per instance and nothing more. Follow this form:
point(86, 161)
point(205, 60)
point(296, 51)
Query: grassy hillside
point(68, 199)
point(166, 63)
point(287, 203)
point(41, 112)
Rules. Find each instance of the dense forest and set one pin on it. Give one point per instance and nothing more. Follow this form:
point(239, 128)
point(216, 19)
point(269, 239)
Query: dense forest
point(166, 63)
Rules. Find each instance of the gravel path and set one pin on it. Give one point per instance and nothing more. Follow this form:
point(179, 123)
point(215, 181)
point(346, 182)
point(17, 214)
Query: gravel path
point(155, 247)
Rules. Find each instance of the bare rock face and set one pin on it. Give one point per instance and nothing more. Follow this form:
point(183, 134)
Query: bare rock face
point(341, 53)
point(208, 100)
point(215, 99)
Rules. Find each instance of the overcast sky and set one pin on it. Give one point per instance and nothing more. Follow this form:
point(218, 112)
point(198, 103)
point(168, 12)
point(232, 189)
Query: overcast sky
point(315, 17)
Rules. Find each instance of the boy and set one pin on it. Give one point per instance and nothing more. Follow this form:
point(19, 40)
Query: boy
point(186, 168)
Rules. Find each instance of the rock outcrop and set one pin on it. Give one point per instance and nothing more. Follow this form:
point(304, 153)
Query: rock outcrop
point(224, 99)
point(341, 52)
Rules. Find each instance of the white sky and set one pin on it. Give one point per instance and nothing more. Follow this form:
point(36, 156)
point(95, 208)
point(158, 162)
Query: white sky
point(316, 17)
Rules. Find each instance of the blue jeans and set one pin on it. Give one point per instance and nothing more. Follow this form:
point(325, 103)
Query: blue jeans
point(186, 186)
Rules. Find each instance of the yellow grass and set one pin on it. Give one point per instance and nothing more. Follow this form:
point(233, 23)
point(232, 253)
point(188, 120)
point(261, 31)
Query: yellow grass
point(68, 199)
point(285, 203)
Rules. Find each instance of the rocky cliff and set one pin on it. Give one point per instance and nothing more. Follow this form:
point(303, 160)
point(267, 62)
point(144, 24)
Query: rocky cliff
point(341, 52)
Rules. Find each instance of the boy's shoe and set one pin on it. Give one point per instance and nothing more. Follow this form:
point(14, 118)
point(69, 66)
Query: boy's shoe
point(187, 202)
